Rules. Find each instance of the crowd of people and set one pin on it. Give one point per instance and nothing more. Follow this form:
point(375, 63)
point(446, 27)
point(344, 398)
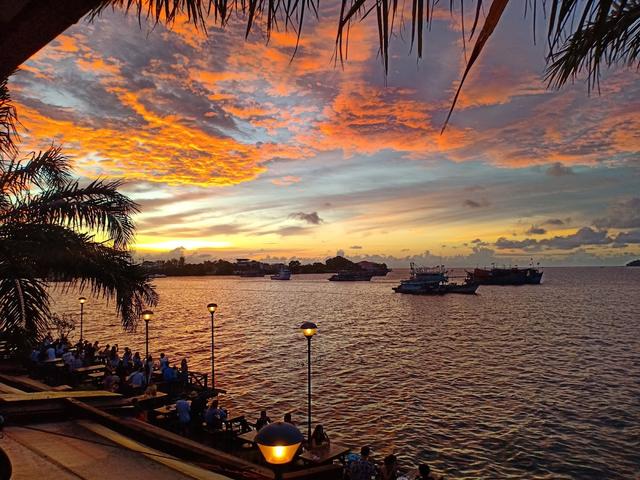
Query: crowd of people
point(363, 467)
point(128, 372)
point(125, 371)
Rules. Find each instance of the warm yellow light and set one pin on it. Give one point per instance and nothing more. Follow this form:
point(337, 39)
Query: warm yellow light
point(147, 314)
point(212, 307)
point(279, 454)
point(309, 329)
point(82, 300)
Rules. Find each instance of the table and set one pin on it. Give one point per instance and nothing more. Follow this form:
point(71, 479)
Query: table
point(53, 361)
point(325, 455)
point(165, 409)
point(89, 369)
point(249, 437)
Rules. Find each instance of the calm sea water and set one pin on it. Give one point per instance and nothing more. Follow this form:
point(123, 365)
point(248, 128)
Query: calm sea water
point(515, 382)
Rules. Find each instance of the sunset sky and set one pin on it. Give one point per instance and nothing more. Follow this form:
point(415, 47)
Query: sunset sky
point(233, 150)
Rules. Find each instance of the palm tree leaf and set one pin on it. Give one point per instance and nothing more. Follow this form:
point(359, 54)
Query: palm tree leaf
point(98, 207)
point(24, 304)
point(48, 169)
point(611, 36)
point(490, 23)
point(8, 122)
point(75, 260)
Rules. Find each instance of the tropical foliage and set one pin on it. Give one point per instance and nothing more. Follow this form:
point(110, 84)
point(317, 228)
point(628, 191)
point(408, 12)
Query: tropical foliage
point(582, 34)
point(54, 230)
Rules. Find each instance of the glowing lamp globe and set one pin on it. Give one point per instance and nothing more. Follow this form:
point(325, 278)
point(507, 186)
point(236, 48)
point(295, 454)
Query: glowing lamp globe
point(147, 314)
point(82, 300)
point(212, 307)
point(309, 329)
point(278, 442)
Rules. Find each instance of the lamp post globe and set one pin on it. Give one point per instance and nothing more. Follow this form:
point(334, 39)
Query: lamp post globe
point(82, 301)
point(147, 315)
point(309, 329)
point(278, 442)
point(212, 307)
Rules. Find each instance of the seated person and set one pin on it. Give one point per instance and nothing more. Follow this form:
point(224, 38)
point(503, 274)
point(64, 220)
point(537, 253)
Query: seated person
point(170, 374)
point(215, 416)
point(164, 362)
point(76, 363)
point(424, 473)
point(51, 352)
point(363, 468)
point(389, 469)
point(137, 379)
point(262, 420)
point(67, 357)
point(319, 439)
point(111, 382)
point(287, 419)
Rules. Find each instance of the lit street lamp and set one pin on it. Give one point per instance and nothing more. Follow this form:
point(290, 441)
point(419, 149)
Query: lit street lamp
point(212, 307)
point(309, 329)
point(146, 316)
point(82, 301)
point(278, 442)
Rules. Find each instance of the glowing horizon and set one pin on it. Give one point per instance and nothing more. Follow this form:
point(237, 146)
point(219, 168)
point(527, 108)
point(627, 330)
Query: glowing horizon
point(233, 150)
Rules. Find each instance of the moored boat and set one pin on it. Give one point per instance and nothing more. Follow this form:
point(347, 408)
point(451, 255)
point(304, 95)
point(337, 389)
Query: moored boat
point(351, 276)
point(283, 274)
point(506, 276)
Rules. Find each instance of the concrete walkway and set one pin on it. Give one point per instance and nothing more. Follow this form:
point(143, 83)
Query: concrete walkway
point(74, 451)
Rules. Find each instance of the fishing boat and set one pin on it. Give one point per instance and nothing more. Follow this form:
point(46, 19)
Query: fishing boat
point(351, 276)
point(433, 281)
point(506, 276)
point(283, 274)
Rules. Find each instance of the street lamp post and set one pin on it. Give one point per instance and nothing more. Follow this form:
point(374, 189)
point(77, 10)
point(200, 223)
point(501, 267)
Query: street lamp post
point(146, 316)
point(278, 442)
point(212, 307)
point(82, 301)
point(309, 329)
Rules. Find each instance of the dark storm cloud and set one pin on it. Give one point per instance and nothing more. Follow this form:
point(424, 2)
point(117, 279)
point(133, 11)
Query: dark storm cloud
point(536, 231)
point(624, 238)
point(503, 243)
point(554, 221)
point(622, 214)
point(313, 218)
point(584, 236)
point(559, 170)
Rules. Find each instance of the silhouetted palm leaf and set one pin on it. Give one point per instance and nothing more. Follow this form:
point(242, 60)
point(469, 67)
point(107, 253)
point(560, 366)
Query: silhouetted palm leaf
point(607, 32)
point(8, 120)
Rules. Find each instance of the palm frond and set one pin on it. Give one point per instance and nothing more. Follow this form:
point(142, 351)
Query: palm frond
point(24, 304)
point(608, 33)
point(48, 169)
point(8, 122)
point(75, 259)
point(97, 207)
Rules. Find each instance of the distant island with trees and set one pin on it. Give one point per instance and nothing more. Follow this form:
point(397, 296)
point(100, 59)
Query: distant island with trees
point(178, 267)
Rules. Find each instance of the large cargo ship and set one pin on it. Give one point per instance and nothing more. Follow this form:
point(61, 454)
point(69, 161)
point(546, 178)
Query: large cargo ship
point(506, 276)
